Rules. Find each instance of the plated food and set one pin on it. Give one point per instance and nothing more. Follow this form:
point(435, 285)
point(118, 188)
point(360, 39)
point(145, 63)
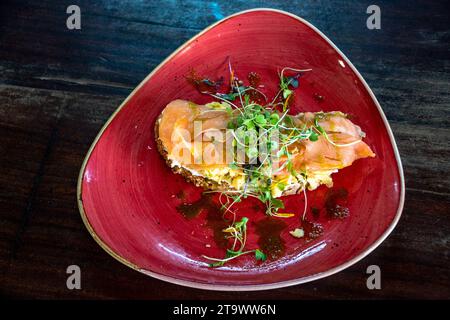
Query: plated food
point(280, 153)
point(159, 224)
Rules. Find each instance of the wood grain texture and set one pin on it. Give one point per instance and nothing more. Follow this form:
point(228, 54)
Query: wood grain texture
point(58, 87)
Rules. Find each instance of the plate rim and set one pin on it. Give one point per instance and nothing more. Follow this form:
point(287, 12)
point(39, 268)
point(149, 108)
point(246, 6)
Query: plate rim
point(268, 286)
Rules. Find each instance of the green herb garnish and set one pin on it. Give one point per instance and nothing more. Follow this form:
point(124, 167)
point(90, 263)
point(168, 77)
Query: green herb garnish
point(267, 119)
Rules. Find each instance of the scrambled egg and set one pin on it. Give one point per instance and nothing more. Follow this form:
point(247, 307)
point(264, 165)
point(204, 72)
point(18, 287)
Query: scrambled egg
point(233, 177)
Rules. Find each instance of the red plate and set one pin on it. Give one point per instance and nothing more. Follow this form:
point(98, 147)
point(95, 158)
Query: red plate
point(127, 194)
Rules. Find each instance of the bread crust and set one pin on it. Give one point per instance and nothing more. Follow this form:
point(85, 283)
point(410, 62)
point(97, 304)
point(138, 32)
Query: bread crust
point(198, 180)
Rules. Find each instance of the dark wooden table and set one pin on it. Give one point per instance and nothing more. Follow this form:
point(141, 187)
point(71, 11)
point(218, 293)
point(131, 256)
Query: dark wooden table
point(58, 87)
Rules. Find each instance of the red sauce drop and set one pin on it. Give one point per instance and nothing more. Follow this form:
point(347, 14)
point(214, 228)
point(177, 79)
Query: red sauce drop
point(312, 230)
point(180, 195)
point(336, 203)
point(318, 97)
point(214, 218)
point(254, 80)
point(217, 223)
point(191, 210)
point(315, 212)
point(270, 241)
point(203, 84)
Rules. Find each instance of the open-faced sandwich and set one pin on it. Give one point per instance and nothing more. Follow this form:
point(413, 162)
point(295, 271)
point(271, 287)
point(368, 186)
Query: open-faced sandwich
point(243, 145)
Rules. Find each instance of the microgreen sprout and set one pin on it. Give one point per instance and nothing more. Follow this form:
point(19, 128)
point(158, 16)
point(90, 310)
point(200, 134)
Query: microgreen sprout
point(267, 120)
point(237, 232)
